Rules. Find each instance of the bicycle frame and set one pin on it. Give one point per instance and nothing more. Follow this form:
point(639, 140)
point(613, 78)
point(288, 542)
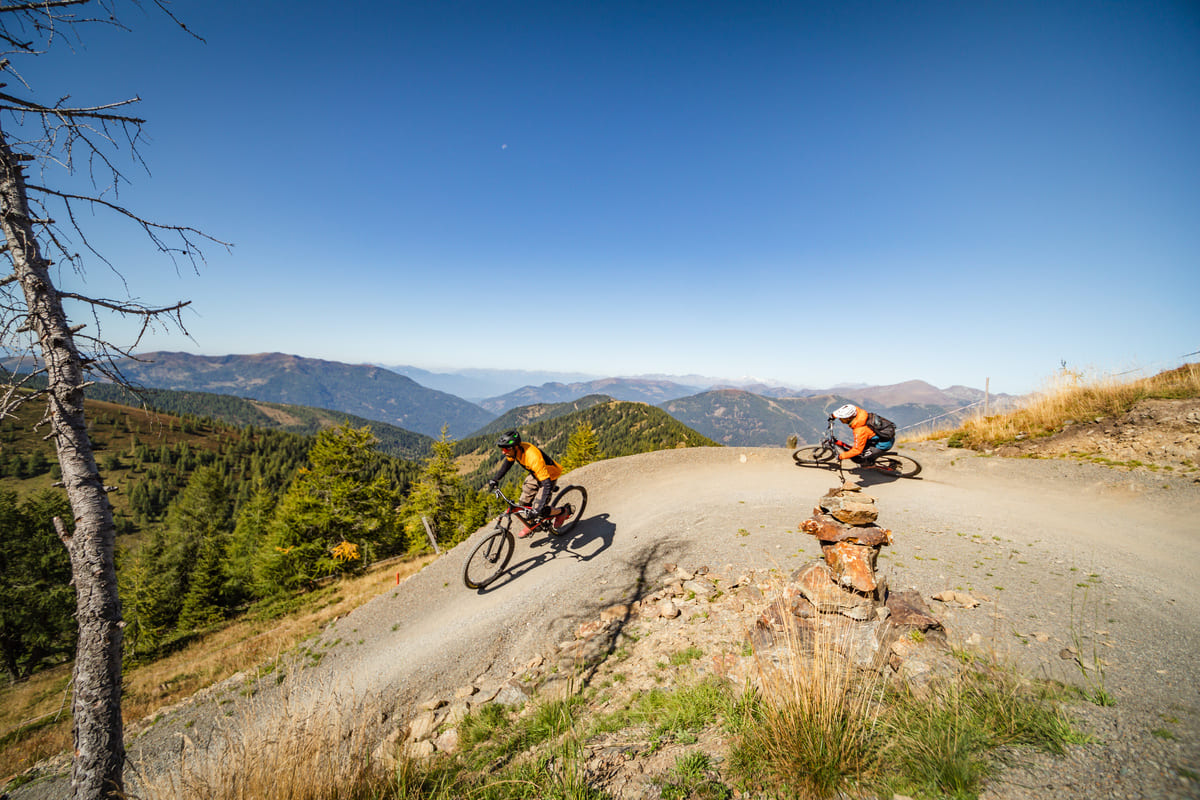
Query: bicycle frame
point(523, 513)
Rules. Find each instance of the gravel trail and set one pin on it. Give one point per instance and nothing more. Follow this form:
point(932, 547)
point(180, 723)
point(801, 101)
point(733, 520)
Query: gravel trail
point(1063, 554)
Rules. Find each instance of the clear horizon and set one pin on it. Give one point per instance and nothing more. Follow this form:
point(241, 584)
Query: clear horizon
point(820, 194)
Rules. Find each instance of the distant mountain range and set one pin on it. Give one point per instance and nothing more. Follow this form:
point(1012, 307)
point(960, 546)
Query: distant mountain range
point(762, 415)
point(638, 390)
point(363, 390)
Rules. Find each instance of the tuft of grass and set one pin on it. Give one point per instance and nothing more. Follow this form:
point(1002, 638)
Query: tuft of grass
point(685, 656)
point(813, 731)
point(940, 743)
point(691, 779)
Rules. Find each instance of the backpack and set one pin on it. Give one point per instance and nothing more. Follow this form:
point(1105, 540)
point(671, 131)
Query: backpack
point(885, 429)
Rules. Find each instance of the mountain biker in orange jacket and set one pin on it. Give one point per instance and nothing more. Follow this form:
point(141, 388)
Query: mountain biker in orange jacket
point(540, 481)
point(869, 443)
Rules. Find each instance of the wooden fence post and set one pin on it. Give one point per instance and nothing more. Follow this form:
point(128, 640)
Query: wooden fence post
point(432, 538)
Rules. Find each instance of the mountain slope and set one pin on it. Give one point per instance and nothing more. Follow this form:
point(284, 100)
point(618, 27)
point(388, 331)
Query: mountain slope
point(373, 393)
point(632, 389)
point(733, 416)
point(304, 420)
point(524, 416)
point(621, 429)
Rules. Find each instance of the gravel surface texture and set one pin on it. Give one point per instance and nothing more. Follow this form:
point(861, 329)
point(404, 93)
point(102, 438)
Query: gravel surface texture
point(1065, 556)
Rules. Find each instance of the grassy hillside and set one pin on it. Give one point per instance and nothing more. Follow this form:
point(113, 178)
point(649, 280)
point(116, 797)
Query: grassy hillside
point(622, 429)
point(239, 411)
point(1070, 396)
point(33, 725)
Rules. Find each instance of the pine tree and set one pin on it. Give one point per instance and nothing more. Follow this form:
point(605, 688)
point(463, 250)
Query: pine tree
point(201, 514)
point(249, 536)
point(334, 500)
point(582, 448)
point(36, 622)
point(202, 603)
point(438, 496)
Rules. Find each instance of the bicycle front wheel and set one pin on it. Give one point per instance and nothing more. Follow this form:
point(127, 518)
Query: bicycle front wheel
point(488, 559)
point(900, 465)
point(572, 500)
point(814, 455)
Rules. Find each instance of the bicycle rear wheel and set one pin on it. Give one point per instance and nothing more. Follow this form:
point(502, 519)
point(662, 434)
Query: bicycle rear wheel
point(574, 498)
point(897, 464)
point(814, 455)
point(488, 559)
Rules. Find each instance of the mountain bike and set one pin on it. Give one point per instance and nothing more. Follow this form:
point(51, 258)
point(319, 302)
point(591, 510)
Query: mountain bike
point(825, 454)
point(490, 557)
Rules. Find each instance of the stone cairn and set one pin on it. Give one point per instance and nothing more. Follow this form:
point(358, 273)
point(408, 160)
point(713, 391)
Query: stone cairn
point(844, 522)
point(886, 626)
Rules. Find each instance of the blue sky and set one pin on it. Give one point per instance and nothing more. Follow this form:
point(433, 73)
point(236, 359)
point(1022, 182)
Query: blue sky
point(813, 193)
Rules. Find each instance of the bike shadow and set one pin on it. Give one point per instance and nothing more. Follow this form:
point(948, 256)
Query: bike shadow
point(591, 537)
point(868, 477)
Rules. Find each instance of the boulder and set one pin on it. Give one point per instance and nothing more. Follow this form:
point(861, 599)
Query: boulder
point(907, 609)
point(511, 694)
point(951, 597)
point(816, 583)
point(828, 529)
point(384, 755)
point(447, 742)
point(423, 726)
point(853, 565)
point(852, 508)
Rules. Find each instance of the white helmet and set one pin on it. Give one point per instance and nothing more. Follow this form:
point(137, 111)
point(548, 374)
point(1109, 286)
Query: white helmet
point(845, 412)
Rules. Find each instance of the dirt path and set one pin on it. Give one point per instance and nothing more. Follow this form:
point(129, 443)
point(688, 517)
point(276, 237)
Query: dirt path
point(1064, 554)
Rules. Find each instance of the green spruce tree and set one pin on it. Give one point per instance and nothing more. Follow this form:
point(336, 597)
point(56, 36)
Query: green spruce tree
point(437, 496)
point(582, 448)
point(338, 498)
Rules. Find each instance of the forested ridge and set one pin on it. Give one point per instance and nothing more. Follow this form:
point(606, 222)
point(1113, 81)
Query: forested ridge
point(538, 412)
point(619, 428)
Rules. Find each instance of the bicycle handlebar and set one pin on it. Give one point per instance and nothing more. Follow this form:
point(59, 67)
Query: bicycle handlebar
point(512, 505)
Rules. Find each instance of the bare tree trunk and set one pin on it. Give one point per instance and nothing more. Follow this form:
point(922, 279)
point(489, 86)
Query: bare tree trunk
point(99, 742)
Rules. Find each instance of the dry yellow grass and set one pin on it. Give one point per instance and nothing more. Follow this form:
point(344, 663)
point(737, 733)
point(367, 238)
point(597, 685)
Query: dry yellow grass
point(818, 733)
point(44, 700)
point(1072, 395)
point(317, 752)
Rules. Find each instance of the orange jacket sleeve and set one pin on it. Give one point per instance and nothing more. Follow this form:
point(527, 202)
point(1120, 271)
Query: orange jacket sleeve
point(862, 434)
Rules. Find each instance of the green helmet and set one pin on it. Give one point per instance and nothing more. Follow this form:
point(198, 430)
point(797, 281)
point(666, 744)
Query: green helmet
point(509, 439)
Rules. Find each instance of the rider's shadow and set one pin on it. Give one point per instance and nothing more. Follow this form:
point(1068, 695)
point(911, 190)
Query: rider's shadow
point(590, 538)
point(868, 477)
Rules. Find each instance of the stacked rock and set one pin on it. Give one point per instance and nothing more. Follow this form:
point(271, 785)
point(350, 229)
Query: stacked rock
point(844, 524)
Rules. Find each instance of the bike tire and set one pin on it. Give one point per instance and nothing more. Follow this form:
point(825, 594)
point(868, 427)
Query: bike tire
point(904, 466)
point(814, 455)
point(576, 497)
point(488, 559)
